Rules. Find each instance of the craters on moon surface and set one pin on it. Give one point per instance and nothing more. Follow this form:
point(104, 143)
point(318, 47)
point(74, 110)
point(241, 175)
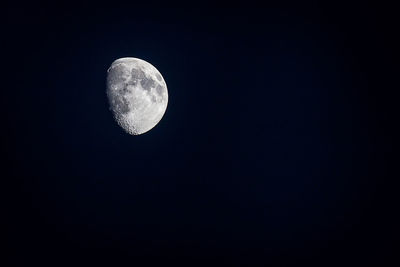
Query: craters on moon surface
point(137, 94)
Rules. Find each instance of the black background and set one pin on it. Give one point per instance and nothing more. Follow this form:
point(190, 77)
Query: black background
point(275, 148)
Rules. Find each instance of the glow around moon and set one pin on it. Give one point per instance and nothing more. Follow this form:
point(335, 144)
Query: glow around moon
point(137, 94)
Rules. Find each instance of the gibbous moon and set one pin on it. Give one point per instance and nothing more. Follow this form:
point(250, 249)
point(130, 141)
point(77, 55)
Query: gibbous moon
point(137, 94)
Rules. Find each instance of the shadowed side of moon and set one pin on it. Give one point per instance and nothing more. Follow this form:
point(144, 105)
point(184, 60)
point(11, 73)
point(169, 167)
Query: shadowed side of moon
point(137, 94)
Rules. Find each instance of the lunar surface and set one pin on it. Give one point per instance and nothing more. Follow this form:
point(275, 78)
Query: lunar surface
point(137, 94)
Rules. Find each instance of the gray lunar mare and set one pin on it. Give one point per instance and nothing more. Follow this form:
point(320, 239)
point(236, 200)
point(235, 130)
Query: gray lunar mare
point(137, 94)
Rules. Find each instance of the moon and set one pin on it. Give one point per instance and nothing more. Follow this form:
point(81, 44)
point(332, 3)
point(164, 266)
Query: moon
point(137, 94)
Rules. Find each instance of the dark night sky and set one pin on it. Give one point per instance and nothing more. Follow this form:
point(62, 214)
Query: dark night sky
point(275, 147)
